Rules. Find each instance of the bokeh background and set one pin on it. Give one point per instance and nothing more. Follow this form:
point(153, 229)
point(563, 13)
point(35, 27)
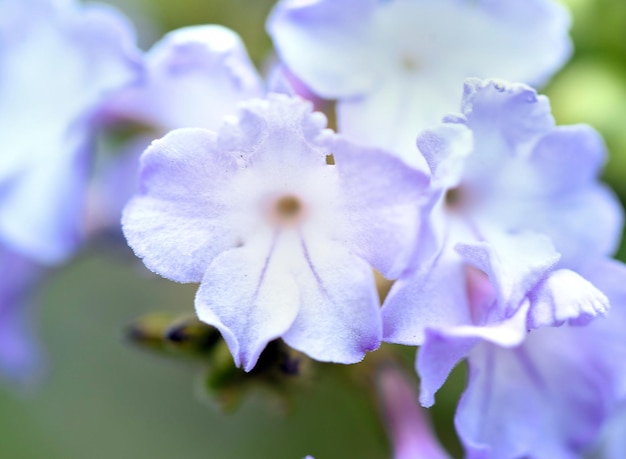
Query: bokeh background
point(102, 398)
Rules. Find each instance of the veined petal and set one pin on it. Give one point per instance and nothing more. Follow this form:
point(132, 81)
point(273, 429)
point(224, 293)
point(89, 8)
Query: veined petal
point(250, 296)
point(518, 41)
point(407, 423)
point(339, 317)
point(521, 402)
point(178, 222)
point(612, 442)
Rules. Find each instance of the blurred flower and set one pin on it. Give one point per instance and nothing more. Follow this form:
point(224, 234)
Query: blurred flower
point(59, 63)
point(194, 77)
point(280, 239)
point(397, 66)
point(407, 424)
point(20, 357)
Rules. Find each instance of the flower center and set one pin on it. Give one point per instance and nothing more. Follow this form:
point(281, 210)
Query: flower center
point(409, 63)
point(454, 198)
point(288, 208)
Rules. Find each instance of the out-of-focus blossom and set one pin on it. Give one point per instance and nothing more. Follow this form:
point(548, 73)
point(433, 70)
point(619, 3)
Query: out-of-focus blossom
point(281, 240)
point(407, 426)
point(397, 66)
point(20, 357)
point(194, 77)
point(59, 61)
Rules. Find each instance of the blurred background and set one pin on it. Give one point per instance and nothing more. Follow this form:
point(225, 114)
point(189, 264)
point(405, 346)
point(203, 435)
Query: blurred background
point(103, 398)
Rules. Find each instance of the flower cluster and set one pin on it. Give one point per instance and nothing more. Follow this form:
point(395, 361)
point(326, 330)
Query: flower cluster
point(447, 174)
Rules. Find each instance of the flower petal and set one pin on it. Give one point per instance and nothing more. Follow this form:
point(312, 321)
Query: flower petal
point(195, 76)
point(565, 296)
point(380, 199)
point(430, 297)
point(418, 63)
point(567, 158)
point(514, 263)
point(444, 348)
point(333, 32)
point(250, 297)
point(445, 149)
point(339, 317)
point(176, 223)
point(392, 115)
point(506, 119)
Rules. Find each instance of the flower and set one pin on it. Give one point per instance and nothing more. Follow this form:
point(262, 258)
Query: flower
point(513, 197)
point(522, 225)
point(407, 423)
point(59, 62)
point(279, 239)
point(550, 395)
point(194, 76)
point(396, 66)
point(20, 356)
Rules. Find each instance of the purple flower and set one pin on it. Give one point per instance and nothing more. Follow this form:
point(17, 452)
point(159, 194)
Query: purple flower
point(20, 357)
point(280, 240)
point(59, 61)
point(194, 77)
point(521, 222)
point(549, 396)
point(407, 423)
point(396, 66)
point(514, 197)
